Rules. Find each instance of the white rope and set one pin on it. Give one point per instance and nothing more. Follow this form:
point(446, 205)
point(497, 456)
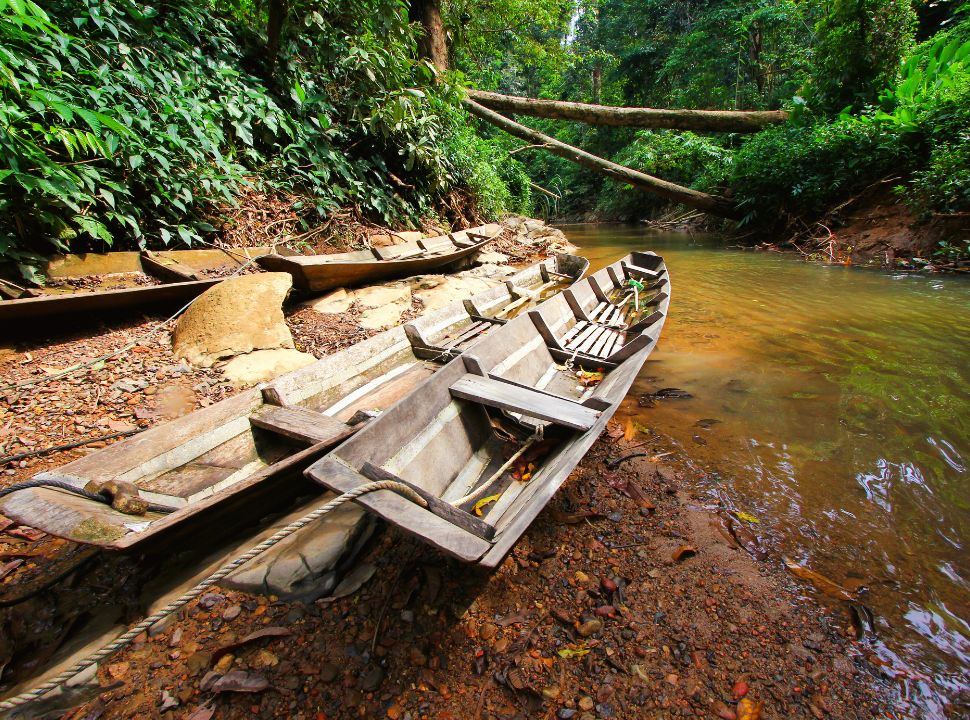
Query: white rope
point(125, 639)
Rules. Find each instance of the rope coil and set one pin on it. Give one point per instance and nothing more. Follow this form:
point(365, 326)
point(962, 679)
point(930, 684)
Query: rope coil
point(184, 599)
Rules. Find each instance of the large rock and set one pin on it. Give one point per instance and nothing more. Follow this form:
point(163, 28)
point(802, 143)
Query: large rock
point(490, 257)
point(236, 316)
point(305, 560)
point(448, 289)
point(334, 302)
point(262, 365)
point(394, 238)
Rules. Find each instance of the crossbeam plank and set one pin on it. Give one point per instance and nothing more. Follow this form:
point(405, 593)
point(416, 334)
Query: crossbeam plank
point(436, 505)
point(304, 426)
point(542, 406)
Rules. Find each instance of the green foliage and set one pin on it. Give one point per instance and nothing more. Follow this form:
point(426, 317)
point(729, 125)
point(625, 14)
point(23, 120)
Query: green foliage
point(858, 51)
point(496, 182)
point(123, 124)
point(804, 169)
point(683, 158)
point(925, 83)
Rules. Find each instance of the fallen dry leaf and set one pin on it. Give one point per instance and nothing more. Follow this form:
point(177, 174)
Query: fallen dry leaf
point(27, 533)
point(239, 681)
point(749, 709)
point(272, 631)
point(830, 588)
point(485, 501)
point(684, 552)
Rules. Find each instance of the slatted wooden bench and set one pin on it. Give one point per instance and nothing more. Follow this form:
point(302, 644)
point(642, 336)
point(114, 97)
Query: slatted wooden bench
point(531, 403)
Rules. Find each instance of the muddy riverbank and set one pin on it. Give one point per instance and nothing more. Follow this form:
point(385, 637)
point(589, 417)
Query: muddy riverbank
point(623, 600)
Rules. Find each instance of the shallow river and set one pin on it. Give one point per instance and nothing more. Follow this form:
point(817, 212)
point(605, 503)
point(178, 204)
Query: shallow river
point(842, 401)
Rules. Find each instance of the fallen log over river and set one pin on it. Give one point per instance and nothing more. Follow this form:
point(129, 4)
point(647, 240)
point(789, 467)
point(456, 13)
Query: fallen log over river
point(740, 121)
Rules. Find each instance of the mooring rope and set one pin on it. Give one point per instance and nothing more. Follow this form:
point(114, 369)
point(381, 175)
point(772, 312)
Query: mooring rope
point(175, 605)
point(81, 492)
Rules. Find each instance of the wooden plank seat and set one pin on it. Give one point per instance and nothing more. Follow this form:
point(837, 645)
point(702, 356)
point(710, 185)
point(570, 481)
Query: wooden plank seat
point(531, 403)
point(451, 343)
point(461, 239)
point(640, 273)
point(306, 427)
point(402, 512)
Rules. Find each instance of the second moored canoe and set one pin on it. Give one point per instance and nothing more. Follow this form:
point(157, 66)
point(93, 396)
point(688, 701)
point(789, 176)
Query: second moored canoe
point(317, 273)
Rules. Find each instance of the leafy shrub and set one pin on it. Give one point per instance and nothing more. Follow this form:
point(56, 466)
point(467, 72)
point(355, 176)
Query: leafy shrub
point(683, 158)
point(121, 124)
point(804, 169)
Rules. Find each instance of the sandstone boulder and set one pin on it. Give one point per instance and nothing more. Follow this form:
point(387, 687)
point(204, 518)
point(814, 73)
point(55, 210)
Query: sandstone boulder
point(236, 316)
point(262, 365)
point(395, 238)
point(336, 301)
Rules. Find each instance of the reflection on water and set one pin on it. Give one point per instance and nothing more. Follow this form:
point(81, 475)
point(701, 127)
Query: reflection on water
point(843, 407)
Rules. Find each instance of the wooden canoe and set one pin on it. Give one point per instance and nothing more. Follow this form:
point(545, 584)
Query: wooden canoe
point(180, 283)
point(95, 304)
point(259, 438)
point(316, 273)
point(449, 437)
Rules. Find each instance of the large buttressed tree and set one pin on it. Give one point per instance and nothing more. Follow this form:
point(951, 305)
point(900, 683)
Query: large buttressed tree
point(433, 41)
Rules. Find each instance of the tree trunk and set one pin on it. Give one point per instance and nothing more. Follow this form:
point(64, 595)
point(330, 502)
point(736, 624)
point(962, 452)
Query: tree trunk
point(274, 32)
point(698, 120)
point(691, 198)
point(433, 44)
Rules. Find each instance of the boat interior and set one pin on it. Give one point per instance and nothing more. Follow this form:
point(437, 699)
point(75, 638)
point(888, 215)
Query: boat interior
point(493, 434)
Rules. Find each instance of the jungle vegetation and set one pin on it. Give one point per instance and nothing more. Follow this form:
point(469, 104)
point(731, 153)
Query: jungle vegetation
point(127, 123)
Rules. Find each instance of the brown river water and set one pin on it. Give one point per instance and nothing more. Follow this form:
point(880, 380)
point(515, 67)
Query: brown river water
point(841, 401)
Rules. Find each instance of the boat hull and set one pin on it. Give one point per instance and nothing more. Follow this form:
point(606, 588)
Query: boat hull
point(224, 452)
point(441, 437)
point(317, 273)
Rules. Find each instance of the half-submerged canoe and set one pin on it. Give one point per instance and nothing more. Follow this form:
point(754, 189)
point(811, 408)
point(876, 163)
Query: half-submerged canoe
point(317, 273)
point(514, 395)
point(261, 438)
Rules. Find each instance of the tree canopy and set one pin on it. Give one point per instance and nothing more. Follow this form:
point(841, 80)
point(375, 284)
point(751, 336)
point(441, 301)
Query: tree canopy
point(127, 124)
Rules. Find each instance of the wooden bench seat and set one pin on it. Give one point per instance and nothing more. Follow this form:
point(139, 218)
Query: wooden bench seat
point(304, 426)
point(514, 398)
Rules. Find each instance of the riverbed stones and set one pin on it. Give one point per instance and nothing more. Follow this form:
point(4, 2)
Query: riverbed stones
point(263, 365)
point(236, 316)
point(490, 257)
point(336, 301)
point(435, 294)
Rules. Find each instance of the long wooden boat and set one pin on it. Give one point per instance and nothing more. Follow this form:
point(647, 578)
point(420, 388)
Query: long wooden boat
point(510, 394)
point(325, 272)
point(262, 437)
point(179, 283)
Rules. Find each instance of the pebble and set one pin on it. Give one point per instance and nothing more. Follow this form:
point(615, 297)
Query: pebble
point(372, 679)
point(586, 703)
point(590, 627)
point(551, 692)
point(615, 516)
point(328, 672)
point(211, 600)
point(565, 713)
